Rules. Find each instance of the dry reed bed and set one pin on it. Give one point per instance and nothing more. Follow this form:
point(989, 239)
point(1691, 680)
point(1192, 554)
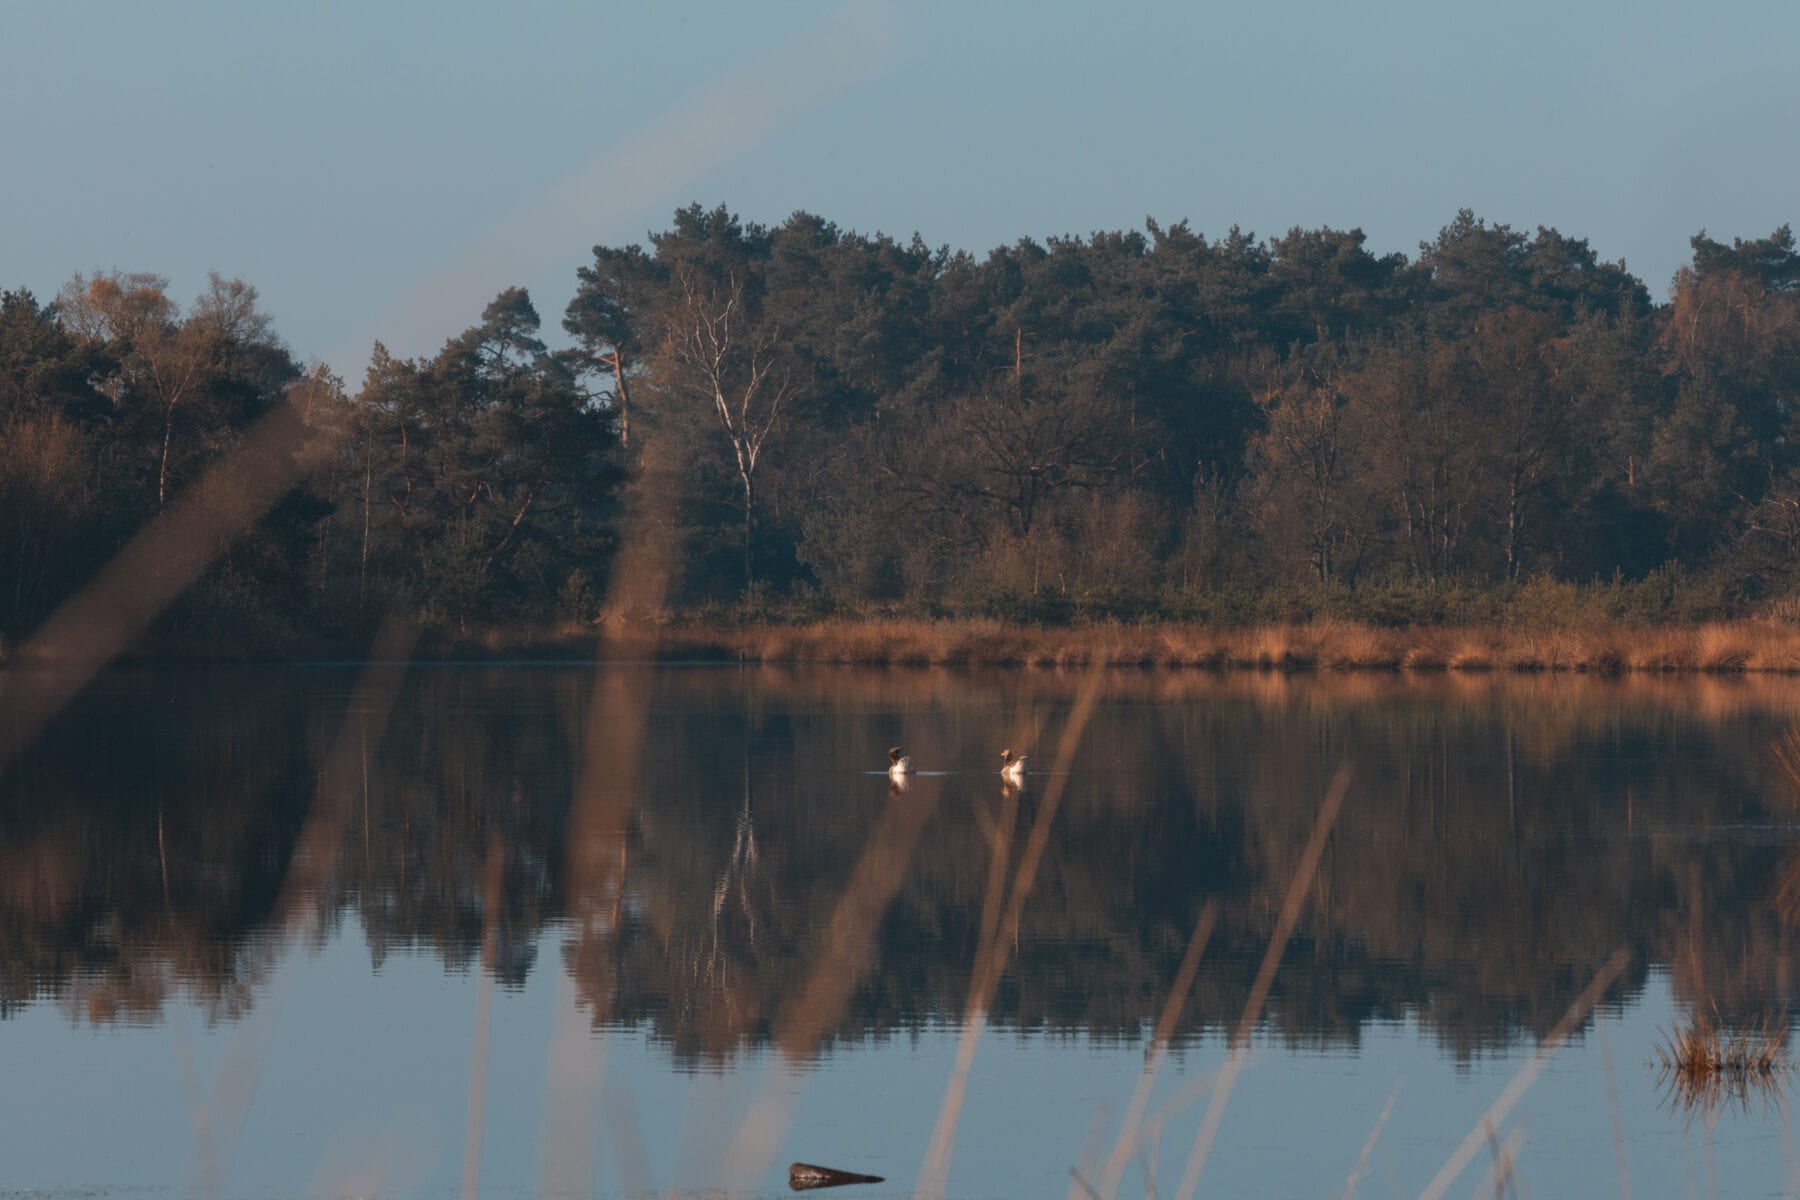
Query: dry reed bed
point(1704, 1048)
point(1325, 645)
point(1707, 1066)
point(1320, 645)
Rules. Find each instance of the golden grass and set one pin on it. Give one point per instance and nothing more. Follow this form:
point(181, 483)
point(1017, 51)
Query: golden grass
point(1750, 646)
point(1706, 1065)
point(1703, 1048)
point(1786, 752)
point(1323, 645)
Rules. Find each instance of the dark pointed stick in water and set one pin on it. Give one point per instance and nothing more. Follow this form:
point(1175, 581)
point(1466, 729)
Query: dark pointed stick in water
point(804, 1177)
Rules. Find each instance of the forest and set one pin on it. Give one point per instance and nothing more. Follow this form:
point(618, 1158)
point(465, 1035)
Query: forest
point(805, 421)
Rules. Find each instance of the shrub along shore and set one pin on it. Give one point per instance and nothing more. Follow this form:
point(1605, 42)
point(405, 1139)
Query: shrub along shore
point(1750, 645)
point(1334, 645)
point(1665, 623)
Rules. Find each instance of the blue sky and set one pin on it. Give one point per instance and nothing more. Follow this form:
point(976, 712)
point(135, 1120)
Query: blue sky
point(380, 170)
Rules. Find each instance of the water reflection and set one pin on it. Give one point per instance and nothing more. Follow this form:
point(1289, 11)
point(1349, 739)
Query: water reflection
point(678, 840)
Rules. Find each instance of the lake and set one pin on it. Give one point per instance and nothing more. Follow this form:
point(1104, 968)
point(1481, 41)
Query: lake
point(424, 931)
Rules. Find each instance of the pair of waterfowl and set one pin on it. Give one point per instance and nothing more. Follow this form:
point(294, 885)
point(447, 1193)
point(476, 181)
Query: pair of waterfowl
point(900, 764)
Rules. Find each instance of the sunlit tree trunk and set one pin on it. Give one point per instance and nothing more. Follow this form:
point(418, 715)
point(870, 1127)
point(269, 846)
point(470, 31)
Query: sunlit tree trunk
point(737, 373)
point(623, 393)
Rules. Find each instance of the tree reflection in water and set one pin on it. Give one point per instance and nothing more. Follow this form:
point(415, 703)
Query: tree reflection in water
point(1502, 837)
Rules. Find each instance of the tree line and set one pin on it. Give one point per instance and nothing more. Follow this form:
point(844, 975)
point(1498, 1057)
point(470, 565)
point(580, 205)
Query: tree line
point(1133, 422)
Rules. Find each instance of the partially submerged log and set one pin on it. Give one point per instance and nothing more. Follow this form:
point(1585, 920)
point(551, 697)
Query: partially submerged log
point(805, 1176)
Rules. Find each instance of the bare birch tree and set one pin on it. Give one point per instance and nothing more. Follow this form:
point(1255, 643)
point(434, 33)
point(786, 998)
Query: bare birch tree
point(1305, 458)
point(738, 368)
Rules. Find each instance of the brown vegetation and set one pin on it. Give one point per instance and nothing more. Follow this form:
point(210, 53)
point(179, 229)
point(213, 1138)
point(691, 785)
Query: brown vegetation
point(1755, 645)
point(1706, 1065)
point(1327, 645)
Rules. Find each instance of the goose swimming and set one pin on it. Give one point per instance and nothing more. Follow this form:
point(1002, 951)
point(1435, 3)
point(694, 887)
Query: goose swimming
point(899, 762)
point(1012, 768)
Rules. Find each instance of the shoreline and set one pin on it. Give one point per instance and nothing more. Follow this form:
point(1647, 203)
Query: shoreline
point(1324, 645)
point(1751, 645)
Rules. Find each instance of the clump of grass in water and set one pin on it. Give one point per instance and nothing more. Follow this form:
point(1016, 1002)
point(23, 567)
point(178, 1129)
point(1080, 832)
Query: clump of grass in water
point(1707, 1065)
point(1785, 750)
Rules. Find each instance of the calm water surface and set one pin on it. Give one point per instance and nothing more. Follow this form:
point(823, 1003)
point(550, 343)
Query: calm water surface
point(413, 932)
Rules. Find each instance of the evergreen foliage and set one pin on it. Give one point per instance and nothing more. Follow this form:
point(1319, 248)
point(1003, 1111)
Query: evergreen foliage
point(1127, 423)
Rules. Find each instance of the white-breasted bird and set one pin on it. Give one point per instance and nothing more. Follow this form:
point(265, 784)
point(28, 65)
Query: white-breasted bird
point(899, 762)
point(1012, 768)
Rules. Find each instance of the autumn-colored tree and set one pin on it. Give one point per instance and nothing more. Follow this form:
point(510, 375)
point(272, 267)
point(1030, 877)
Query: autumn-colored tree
point(1303, 461)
